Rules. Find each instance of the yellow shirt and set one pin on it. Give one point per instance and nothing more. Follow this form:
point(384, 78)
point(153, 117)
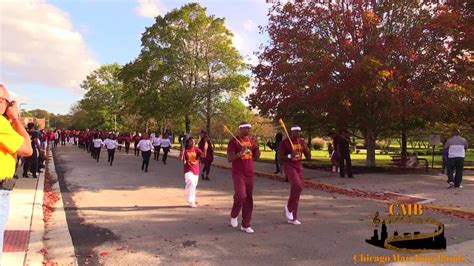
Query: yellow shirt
point(10, 142)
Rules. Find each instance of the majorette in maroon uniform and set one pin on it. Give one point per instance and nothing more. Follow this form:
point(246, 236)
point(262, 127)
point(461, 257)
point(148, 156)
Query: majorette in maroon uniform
point(241, 151)
point(291, 154)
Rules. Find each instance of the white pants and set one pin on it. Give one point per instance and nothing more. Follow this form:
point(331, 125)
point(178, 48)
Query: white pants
point(191, 181)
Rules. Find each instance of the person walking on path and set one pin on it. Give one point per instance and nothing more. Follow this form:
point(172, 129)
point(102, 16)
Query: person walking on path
point(166, 146)
point(291, 154)
point(111, 144)
point(190, 156)
point(14, 140)
point(156, 146)
point(145, 146)
point(275, 146)
point(87, 141)
point(457, 147)
point(127, 141)
point(97, 143)
point(63, 138)
point(205, 145)
point(51, 140)
point(136, 140)
point(120, 141)
point(241, 151)
point(56, 138)
point(342, 146)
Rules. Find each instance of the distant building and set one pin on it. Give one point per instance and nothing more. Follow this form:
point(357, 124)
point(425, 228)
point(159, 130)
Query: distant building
point(39, 122)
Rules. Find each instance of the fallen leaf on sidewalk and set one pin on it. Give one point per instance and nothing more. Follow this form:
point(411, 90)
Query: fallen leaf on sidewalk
point(50, 263)
point(43, 251)
point(119, 248)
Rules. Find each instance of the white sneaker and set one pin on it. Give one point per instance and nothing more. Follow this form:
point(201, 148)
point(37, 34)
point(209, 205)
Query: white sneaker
point(295, 222)
point(450, 185)
point(192, 205)
point(247, 230)
point(289, 215)
point(234, 222)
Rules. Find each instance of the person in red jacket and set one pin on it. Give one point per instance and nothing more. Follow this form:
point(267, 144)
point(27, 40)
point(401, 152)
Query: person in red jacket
point(291, 154)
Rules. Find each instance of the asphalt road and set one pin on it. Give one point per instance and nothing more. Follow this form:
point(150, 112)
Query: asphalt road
point(119, 215)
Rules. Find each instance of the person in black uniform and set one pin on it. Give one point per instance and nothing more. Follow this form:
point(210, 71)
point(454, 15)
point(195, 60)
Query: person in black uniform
point(274, 146)
point(31, 163)
point(342, 147)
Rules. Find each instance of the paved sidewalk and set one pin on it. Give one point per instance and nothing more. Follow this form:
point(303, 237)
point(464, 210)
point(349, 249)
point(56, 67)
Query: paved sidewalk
point(428, 189)
point(24, 229)
point(30, 239)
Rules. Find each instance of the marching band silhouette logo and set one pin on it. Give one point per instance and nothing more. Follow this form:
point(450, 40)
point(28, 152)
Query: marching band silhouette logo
point(418, 242)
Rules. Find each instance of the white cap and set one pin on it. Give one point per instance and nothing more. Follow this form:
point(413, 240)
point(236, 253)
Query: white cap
point(245, 125)
point(295, 128)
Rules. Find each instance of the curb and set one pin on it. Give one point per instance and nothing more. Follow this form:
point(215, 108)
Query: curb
point(59, 244)
point(35, 243)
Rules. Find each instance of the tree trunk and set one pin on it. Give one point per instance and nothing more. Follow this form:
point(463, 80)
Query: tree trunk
point(309, 140)
point(404, 145)
point(187, 123)
point(208, 112)
point(208, 102)
point(370, 138)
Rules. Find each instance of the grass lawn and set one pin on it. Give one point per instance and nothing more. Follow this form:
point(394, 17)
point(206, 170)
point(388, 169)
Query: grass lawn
point(382, 160)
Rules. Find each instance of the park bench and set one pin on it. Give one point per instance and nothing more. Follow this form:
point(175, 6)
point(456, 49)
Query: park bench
point(408, 163)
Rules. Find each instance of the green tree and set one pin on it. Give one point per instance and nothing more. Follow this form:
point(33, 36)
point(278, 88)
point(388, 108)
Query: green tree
point(103, 101)
point(39, 113)
point(193, 61)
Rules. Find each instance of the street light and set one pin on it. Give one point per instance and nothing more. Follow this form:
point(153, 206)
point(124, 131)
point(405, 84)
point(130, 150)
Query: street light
point(19, 106)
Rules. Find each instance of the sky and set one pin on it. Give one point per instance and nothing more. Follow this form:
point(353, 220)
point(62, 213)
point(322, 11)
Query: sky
point(48, 47)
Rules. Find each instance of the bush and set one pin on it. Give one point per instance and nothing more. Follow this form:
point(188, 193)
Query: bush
point(318, 143)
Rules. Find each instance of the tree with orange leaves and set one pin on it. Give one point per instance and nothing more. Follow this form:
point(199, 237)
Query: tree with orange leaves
point(370, 66)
